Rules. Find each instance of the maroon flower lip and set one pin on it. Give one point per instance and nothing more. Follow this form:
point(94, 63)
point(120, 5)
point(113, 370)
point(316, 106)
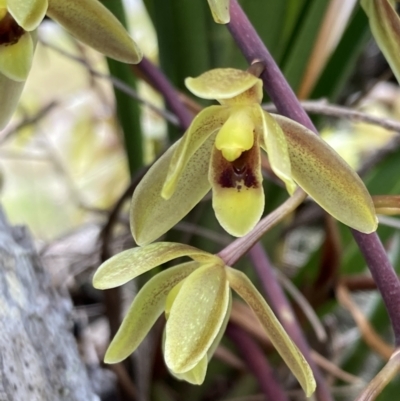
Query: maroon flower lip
point(10, 31)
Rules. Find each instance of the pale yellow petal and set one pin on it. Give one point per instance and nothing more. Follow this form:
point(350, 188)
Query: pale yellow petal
point(151, 215)
point(206, 123)
point(220, 11)
point(274, 143)
point(93, 24)
point(385, 26)
point(196, 375)
point(225, 84)
point(238, 195)
point(16, 59)
point(28, 13)
point(327, 178)
point(196, 317)
point(145, 310)
point(276, 333)
point(129, 264)
point(10, 92)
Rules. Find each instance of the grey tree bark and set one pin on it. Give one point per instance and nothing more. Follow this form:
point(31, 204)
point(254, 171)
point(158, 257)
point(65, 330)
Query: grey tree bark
point(39, 359)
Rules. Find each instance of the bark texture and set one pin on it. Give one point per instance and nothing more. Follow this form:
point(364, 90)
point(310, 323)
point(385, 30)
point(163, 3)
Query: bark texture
point(39, 359)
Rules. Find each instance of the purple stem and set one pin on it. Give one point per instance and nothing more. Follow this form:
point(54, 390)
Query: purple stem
point(284, 311)
point(384, 276)
point(161, 82)
point(288, 105)
point(258, 365)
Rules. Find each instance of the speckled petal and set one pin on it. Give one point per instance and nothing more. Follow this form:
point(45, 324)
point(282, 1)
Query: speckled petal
point(28, 13)
point(152, 215)
point(145, 310)
point(224, 84)
point(220, 10)
point(16, 59)
point(240, 283)
point(196, 317)
point(129, 264)
point(8, 103)
point(385, 26)
point(273, 141)
point(206, 123)
point(238, 196)
point(327, 178)
point(93, 24)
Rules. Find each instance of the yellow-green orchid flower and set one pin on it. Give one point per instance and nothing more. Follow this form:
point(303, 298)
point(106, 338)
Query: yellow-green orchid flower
point(221, 151)
point(196, 298)
point(88, 20)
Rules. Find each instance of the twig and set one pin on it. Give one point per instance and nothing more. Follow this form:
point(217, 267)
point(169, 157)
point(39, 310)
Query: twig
point(322, 107)
point(382, 379)
point(287, 104)
point(253, 356)
point(368, 333)
point(122, 86)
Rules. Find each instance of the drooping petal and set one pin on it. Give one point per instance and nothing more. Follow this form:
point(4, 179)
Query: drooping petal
point(273, 141)
point(220, 11)
point(145, 310)
point(276, 333)
point(228, 85)
point(196, 375)
point(238, 195)
point(151, 215)
point(327, 178)
point(8, 103)
point(207, 122)
point(16, 59)
point(196, 317)
point(93, 24)
point(129, 264)
point(28, 13)
point(385, 26)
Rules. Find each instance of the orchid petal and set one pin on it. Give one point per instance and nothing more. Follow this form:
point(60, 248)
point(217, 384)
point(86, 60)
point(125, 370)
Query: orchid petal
point(238, 195)
point(16, 59)
point(276, 333)
point(225, 85)
point(196, 317)
point(131, 263)
point(27, 13)
point(327, 178)
point(385, 26)
point(207, 122)
point(145, 310)
point(93, 24)
point(151, 215)
point(274, 143)
point(9, 103)
point(196, 375)
point(220, 11)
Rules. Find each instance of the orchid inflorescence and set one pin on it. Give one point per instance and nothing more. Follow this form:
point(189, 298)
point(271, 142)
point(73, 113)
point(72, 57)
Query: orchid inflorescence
point(221, 150)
